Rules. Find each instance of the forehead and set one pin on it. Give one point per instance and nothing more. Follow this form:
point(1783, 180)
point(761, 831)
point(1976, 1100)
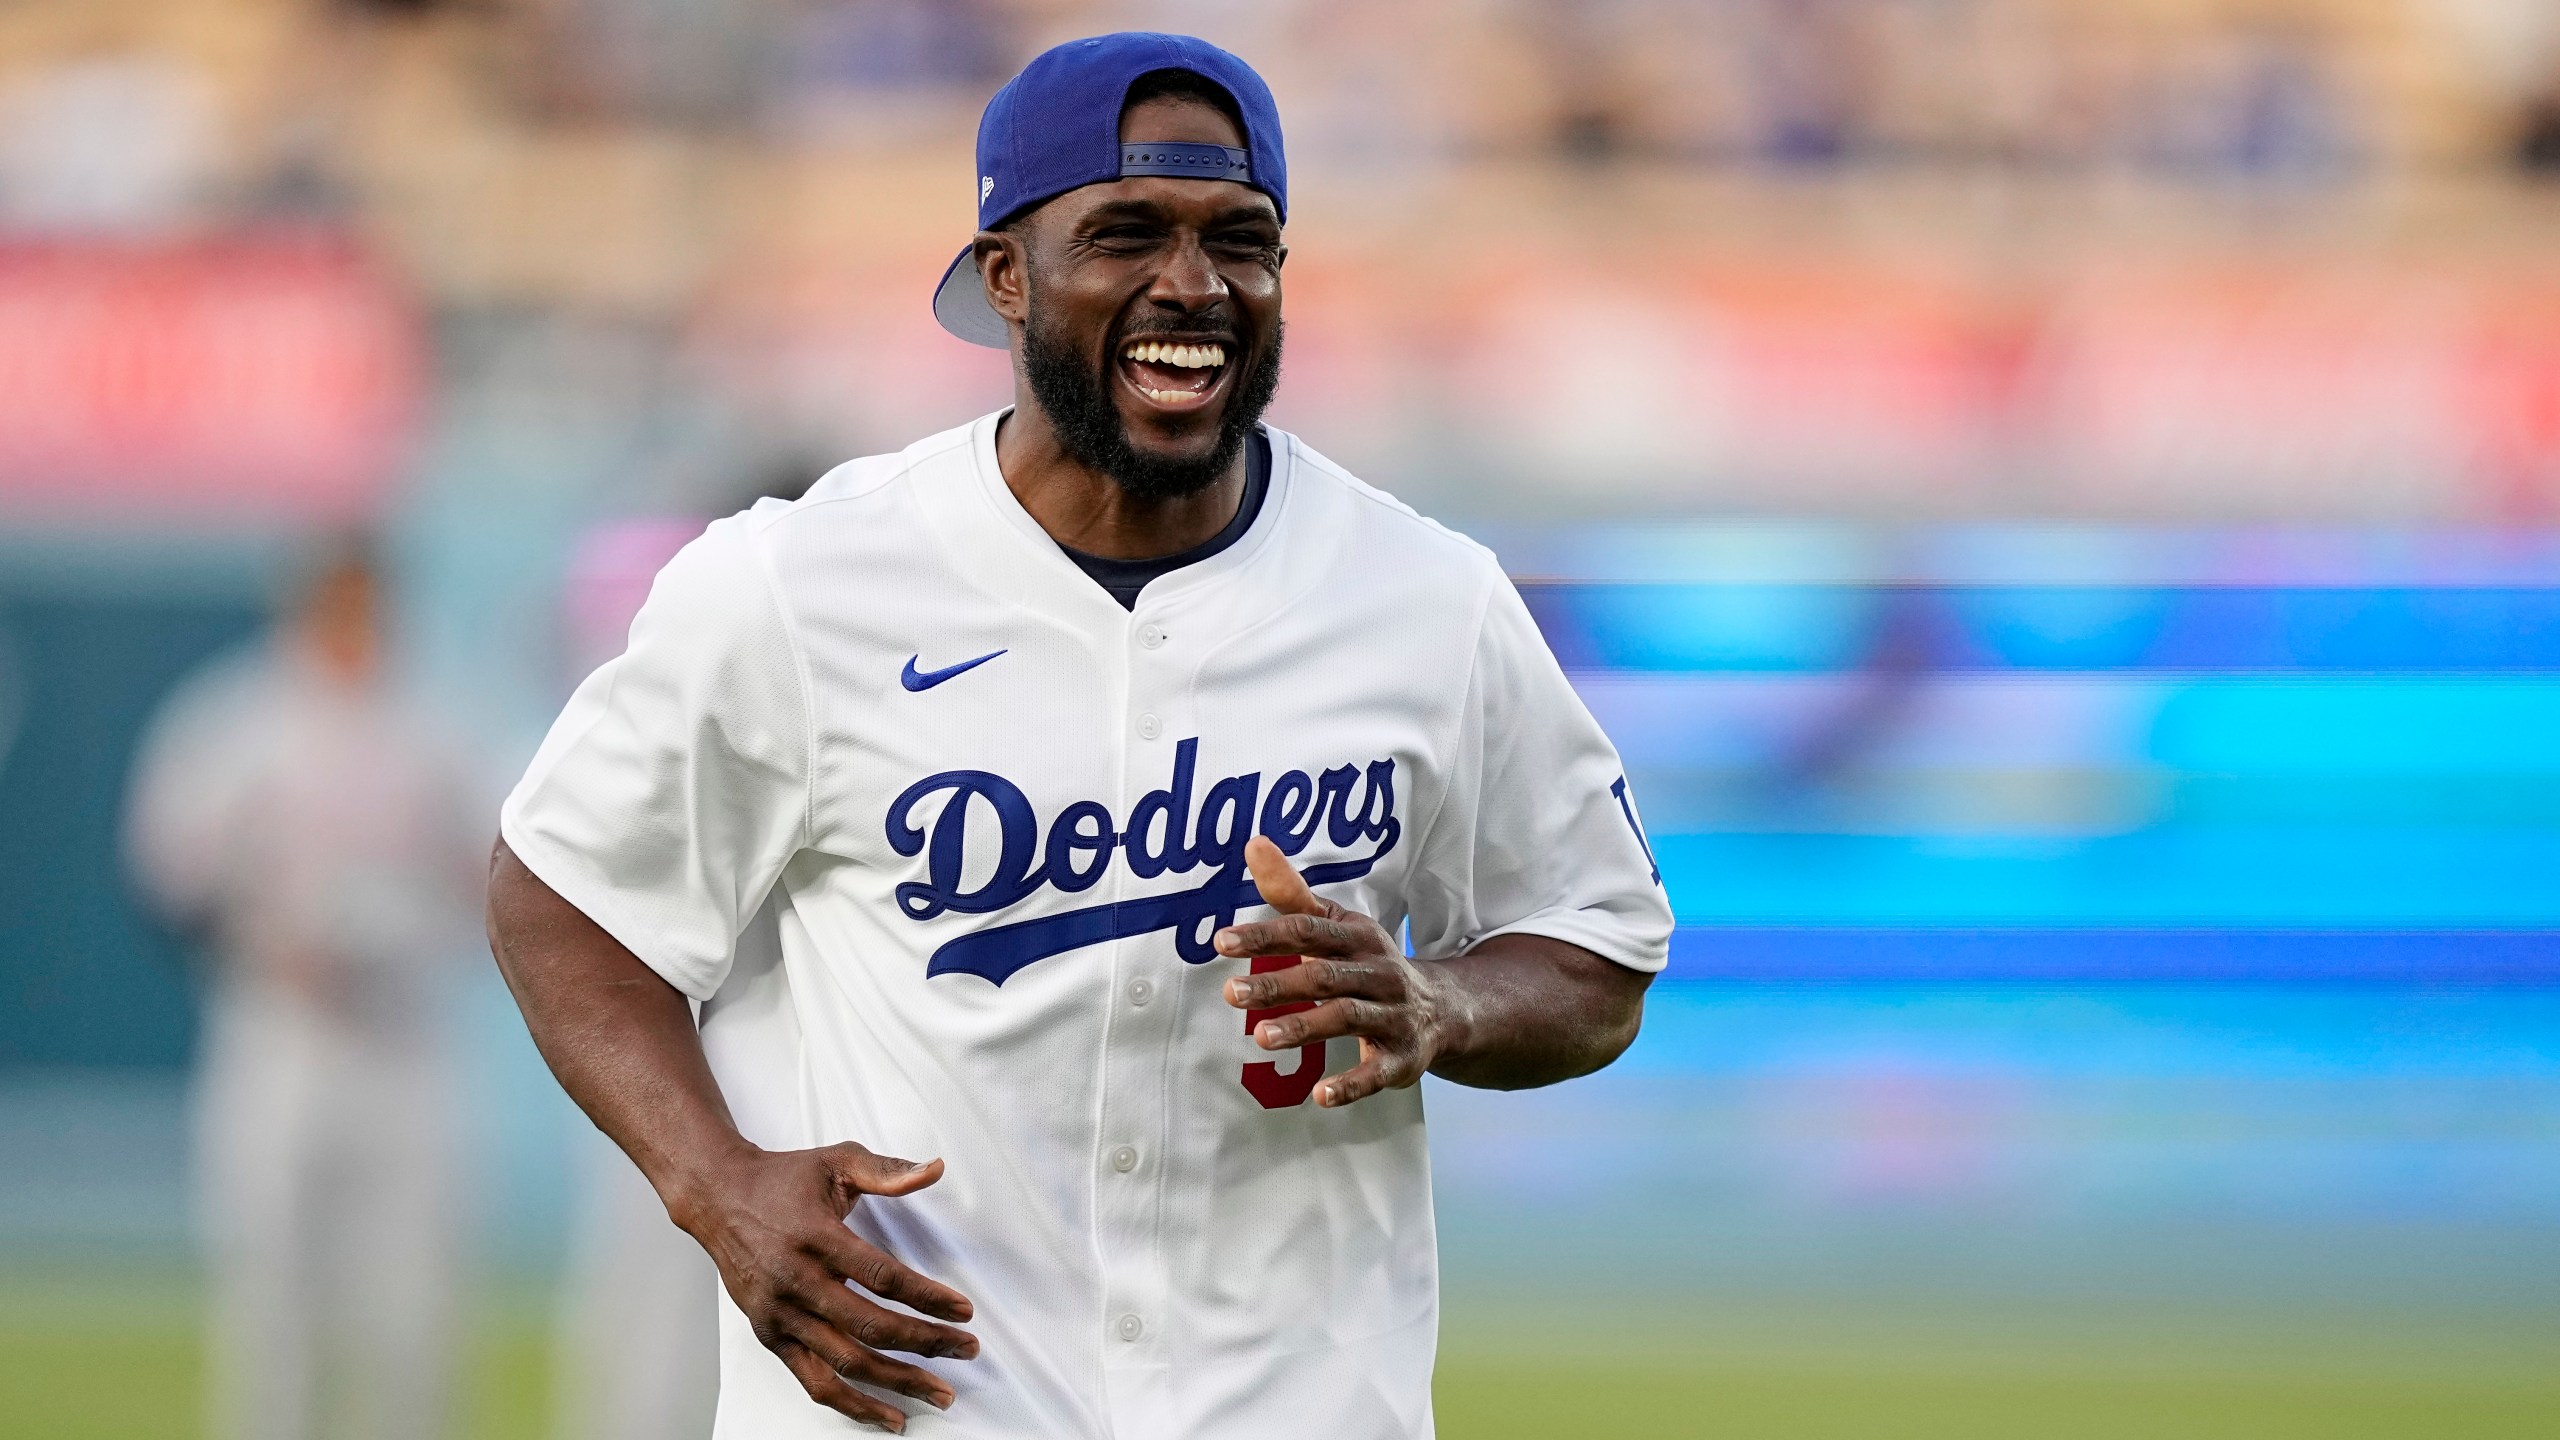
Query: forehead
point(1174, 198)
point(1180, 120)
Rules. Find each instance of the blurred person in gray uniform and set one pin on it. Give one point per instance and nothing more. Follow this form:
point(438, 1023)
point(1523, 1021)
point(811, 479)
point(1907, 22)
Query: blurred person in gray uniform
point(311, 830)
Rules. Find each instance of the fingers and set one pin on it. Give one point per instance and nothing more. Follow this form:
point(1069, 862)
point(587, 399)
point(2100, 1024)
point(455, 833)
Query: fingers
point(860, 1172)
point(868, 1174)
point(876, 1327)
point(824, 1385)
point(1308, 924)
point(1380, 978)
point(1388, 1054)
point(1352, 981)
point(1331, 1020)
point(1379, 1069)
point(1301, 935)
point(875, 1270)
point(854, 1359)
point(1283, 889)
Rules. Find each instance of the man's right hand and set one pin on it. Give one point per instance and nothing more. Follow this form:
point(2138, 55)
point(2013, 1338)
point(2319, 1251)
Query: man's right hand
point(626, 1047)
point(773, 1222)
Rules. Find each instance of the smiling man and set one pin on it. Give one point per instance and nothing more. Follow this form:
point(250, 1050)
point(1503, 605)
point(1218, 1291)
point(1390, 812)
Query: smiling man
point(986, 799)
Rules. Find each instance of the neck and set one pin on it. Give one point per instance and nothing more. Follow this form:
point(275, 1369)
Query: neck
point(1084, 509)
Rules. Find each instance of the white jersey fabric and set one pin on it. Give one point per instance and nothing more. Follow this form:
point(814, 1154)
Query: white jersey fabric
point(939, 833)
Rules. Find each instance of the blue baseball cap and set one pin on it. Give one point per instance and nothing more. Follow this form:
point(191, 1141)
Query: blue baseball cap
point(1056, 127)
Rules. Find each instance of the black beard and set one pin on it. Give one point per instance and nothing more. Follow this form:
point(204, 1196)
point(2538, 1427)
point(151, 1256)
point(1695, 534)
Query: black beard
point(1078, 402)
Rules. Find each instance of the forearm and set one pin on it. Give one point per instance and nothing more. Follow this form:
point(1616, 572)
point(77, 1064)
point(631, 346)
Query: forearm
point(1526, 1010)
point(621, 1040)
point(624, 1045)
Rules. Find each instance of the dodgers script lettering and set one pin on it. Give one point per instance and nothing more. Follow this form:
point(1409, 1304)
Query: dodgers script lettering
point(1348, 806)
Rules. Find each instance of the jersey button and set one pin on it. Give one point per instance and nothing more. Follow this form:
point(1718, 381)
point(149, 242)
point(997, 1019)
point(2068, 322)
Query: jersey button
point(1131, 1327)
point(1151, 636)
point(1141, 991)
point(1125, 1159)
point(1149, 727)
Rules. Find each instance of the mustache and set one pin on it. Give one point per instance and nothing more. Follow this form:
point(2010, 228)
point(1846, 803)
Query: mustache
point(1076, 393)
point(1198, 330)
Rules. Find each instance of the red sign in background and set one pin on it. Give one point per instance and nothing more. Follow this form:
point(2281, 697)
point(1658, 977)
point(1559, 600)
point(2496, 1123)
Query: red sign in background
point(274, 377)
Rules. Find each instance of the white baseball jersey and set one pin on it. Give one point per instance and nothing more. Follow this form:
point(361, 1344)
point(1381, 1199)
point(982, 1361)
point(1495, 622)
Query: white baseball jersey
point(940, 833)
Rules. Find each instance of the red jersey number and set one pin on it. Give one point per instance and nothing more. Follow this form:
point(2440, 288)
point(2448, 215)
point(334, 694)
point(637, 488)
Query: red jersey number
point(1262, 1078)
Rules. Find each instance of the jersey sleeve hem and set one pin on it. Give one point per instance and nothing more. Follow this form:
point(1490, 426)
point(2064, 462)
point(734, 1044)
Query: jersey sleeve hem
point(573, 880)
point(1606, 938)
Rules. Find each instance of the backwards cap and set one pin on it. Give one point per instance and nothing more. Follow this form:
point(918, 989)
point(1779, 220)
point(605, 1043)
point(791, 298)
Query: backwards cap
point(1056, 127)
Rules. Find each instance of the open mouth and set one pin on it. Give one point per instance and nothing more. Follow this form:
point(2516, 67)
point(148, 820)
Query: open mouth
point(1174, 375)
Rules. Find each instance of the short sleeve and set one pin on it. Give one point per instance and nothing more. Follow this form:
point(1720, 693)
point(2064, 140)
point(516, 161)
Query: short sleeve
point(1537, 832)
point(675, 786)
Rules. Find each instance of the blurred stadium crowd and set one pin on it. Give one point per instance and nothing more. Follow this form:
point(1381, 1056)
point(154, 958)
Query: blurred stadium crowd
point(2054, 499)
point(2139, 257)
point(301, 94)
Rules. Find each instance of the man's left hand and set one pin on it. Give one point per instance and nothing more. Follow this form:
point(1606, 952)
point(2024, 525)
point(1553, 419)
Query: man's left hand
point(1407, 1013)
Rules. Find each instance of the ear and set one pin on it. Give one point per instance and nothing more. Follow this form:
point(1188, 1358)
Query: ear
point(1001, 270)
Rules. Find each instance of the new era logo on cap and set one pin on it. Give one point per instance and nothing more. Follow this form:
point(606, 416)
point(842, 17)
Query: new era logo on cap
point(1056, 127)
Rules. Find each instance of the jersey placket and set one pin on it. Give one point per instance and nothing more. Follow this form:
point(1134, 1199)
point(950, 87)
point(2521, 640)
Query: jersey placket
point(1147, 991)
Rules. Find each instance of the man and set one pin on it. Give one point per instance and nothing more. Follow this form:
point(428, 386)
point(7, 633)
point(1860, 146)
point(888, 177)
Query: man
point(954, 790)
point(290, 810)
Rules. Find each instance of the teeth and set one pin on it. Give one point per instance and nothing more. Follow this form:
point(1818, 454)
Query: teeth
point(1188, 357)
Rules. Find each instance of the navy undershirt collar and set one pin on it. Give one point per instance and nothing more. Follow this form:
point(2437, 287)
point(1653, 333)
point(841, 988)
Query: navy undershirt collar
point(1125, 578)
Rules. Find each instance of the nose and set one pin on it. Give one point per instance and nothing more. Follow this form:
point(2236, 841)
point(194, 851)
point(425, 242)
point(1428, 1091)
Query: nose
point(1187, 283)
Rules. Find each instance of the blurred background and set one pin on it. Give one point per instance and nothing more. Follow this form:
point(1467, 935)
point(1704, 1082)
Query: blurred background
point(2057, 500)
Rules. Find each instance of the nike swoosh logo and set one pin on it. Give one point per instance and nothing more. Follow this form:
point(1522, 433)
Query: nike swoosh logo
point(926, 680)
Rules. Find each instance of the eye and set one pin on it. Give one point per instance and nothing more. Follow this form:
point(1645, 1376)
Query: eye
point(1243, 242)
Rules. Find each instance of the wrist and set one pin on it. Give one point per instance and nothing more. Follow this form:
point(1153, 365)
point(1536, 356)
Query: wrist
point(1453, 1018)
point(695, 1186)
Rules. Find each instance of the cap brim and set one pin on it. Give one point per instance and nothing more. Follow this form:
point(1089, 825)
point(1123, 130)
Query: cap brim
point(960, 303)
